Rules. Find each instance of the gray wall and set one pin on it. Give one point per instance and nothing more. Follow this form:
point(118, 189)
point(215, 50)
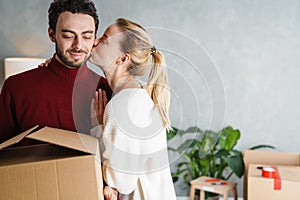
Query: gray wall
point(236, 62)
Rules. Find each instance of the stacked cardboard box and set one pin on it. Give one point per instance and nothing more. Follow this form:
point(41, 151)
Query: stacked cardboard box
point(257, 187)
point(66, 165)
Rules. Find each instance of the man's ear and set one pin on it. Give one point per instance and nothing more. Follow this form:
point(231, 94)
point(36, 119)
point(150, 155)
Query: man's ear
point(51, 35)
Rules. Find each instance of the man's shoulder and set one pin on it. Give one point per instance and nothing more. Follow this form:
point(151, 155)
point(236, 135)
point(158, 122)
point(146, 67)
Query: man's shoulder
point(25, 77)
point(28, 73)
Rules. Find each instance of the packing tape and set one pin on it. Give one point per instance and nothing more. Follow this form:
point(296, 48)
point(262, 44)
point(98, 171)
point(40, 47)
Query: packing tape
point(269, 172)
point(272, 172)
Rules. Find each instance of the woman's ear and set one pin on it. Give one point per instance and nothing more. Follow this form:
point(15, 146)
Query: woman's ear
point(51, 34)
point(123, 58)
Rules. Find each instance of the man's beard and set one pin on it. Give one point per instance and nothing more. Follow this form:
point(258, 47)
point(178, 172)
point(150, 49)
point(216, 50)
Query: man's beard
point(64, 59)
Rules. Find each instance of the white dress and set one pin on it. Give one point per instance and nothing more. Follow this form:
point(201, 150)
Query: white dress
point(135, 157)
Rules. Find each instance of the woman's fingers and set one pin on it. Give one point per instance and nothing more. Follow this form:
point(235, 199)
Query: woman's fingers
point(110, 193)
point(96, 114)
point(94, 119)
point(104, 98)
point(96, 102)
point(99, 102)
point(46, 63)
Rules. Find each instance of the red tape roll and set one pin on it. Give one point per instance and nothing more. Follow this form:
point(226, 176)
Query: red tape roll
point(272, 172)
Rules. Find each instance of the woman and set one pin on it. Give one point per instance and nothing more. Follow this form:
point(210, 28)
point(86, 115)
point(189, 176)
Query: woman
point(134, 122)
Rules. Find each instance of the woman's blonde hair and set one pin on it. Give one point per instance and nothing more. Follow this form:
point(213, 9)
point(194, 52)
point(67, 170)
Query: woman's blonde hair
point(138, 44)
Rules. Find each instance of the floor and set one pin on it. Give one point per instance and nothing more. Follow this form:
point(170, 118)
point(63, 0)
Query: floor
point(187, 198)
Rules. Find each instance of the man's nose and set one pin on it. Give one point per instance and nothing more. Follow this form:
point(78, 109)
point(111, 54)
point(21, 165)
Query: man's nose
point(77, 43)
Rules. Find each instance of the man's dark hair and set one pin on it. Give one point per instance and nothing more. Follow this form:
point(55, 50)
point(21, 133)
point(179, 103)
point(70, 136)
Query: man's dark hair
point(73, 6)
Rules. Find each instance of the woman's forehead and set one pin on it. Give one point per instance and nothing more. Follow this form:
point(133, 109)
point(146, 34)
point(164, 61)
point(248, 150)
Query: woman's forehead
point(112, 30)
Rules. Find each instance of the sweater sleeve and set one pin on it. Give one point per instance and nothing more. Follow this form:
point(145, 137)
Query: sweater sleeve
point(118, 165)
point(97, 132)
point(109, 173)
point(8, 124)
point(134, 141)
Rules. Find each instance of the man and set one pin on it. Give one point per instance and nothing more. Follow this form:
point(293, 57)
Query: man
point(58, 95)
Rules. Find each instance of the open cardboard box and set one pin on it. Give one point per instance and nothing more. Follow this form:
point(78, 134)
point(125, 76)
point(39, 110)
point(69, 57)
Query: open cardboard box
point(268, 158)
point(285, 187)
point(66, 165)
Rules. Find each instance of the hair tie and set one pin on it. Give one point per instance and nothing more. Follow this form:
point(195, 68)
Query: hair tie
point(153, 50)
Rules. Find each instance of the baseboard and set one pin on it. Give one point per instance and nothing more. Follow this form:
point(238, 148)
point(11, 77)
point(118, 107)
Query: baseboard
point(187, 198)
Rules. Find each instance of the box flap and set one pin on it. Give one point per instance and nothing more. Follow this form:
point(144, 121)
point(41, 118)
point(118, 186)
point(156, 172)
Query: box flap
point(17, 138)
point(69, 139)
point(271, 158)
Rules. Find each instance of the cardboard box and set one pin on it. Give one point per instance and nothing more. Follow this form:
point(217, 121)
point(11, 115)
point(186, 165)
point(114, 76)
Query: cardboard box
point(271, 158)
point(66, 166)
point(261, 188)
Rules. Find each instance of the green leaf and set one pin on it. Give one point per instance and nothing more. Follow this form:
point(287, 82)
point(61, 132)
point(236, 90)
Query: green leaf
point(205, 167)
point(193, 129)
point(228, 138)
point(209, 141)
point(175, 131)
point(171, 133)
point(222, 153)
point(175, 178)
point(172, 149)
point(178, 173)
point(186, 145)
point(179, 165)
point(261, 146)
point(187, 156)
point(236, 164)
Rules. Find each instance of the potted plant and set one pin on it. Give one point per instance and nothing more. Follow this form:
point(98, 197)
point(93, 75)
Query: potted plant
point(209, 153)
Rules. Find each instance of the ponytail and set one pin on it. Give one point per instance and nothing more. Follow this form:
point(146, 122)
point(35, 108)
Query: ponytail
point(157, 86)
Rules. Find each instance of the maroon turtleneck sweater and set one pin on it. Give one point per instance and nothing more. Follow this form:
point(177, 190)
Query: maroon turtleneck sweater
point(54, 96)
